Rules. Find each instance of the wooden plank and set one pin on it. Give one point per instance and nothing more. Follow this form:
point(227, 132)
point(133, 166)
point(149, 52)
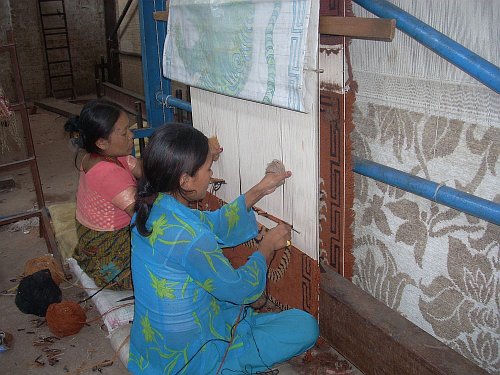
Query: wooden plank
point(60, 107)
point(125, 98)
point(357, 27)
point(17, 164)
point(377, 339)
point(161, 15)
point(47, 232)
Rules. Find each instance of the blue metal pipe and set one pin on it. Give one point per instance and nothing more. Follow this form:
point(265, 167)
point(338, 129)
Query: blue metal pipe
point(143, 133)
point(174, 102)
point(471, 63)
point(163, 100)
point(468, 203)
point(152, 33)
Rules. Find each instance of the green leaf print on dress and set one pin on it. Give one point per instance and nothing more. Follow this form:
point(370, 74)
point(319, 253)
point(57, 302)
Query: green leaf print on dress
point(188, 280)
point(214, 305)
point(232, 214)
point(148, 331)
point(140, 361)
point(161, 225)
point(157, 229)
point(204, 219)
point(217, 253)
point(163, 288)
point(254, 273)
point(208, 285)
point(175, 355)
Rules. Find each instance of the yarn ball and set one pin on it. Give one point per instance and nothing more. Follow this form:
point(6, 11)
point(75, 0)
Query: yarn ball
point(276, 166)
point(65, 318)
point(43, 262)
point(36, 292)
point(215, 148)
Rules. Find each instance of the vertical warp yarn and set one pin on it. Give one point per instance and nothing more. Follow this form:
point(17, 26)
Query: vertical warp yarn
point(36, 292)
point(65, 318)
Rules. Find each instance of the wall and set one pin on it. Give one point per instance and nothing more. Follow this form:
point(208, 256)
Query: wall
point(418, 113)
point(87, 40)
point(28, 40)
point(6, 80)
point(129, 36)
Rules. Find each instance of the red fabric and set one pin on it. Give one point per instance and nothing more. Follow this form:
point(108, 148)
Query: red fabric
point(103, 194)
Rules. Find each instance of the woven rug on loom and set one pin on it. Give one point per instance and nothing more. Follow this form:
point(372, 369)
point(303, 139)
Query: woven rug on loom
point(293, 277)
point(337, 178)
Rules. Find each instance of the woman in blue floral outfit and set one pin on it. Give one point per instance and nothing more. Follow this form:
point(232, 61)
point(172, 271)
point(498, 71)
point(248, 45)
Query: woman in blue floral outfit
point(191, 306)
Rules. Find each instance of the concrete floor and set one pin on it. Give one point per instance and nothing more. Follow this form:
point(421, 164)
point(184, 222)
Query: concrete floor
point(31, 347)
point(85, 351)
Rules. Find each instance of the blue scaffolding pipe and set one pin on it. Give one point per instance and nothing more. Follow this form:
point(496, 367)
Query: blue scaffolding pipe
point(143, 132)
point(471, 63)
point(470, 204)
point(152, 37)
point(172, 101)
point(168, 101)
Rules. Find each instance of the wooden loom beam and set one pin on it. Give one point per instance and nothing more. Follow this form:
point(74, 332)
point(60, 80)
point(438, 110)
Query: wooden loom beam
point(377, 339)
point(354, 27)
point(161, 15)
point(357, 27)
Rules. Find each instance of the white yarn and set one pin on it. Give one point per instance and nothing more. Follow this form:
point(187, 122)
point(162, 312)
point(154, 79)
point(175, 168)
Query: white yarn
point(409, 76)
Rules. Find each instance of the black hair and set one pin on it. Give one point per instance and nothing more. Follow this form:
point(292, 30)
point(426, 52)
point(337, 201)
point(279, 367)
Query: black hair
point(96, 120)
point(174, 149)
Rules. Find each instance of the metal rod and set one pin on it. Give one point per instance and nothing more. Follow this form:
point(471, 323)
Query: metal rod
point(174, 102)
point(126, 53)
point(471, 63)
point(459, 200)
point(153, 79)
point(138, 117)
point(143, 133)
point(120, 20)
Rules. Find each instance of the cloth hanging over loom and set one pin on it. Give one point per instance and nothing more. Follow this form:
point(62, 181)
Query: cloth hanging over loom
point(247, 49)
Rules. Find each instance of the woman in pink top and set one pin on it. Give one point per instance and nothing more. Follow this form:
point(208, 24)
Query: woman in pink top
point(106, 193)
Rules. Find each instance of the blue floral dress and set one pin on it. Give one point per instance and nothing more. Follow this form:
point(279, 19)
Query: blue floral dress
point(188, 296)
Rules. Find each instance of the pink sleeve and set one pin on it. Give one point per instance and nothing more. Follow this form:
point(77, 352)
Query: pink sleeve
point(128, 161)
point(114, 183)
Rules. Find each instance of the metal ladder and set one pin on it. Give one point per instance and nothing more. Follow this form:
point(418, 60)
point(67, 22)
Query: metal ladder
point(57, 48)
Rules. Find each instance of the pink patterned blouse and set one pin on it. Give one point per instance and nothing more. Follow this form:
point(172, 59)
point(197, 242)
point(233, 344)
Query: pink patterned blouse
point(104, 192)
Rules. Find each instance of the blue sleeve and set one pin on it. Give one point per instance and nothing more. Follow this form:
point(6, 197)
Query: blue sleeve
point(232, 224)
point(211, 270)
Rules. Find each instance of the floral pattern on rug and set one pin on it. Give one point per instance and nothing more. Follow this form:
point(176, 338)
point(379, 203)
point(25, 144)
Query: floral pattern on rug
point(438, 267)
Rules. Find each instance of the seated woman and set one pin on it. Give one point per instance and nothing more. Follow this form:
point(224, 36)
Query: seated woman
point(106, 193)
point(192, 308)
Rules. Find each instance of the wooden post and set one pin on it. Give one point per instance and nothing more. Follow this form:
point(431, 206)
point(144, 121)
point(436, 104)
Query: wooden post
point(356, 27)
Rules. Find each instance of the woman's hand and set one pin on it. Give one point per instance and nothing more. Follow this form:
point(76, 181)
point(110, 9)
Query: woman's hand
point(266, 186)
point(275, 239)
point(272, 180)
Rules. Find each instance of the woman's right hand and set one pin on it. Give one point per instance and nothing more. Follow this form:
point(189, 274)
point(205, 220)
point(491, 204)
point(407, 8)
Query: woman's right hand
point(275, 239)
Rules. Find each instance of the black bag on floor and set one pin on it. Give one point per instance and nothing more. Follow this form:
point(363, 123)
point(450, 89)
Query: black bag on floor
point(36, 292)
